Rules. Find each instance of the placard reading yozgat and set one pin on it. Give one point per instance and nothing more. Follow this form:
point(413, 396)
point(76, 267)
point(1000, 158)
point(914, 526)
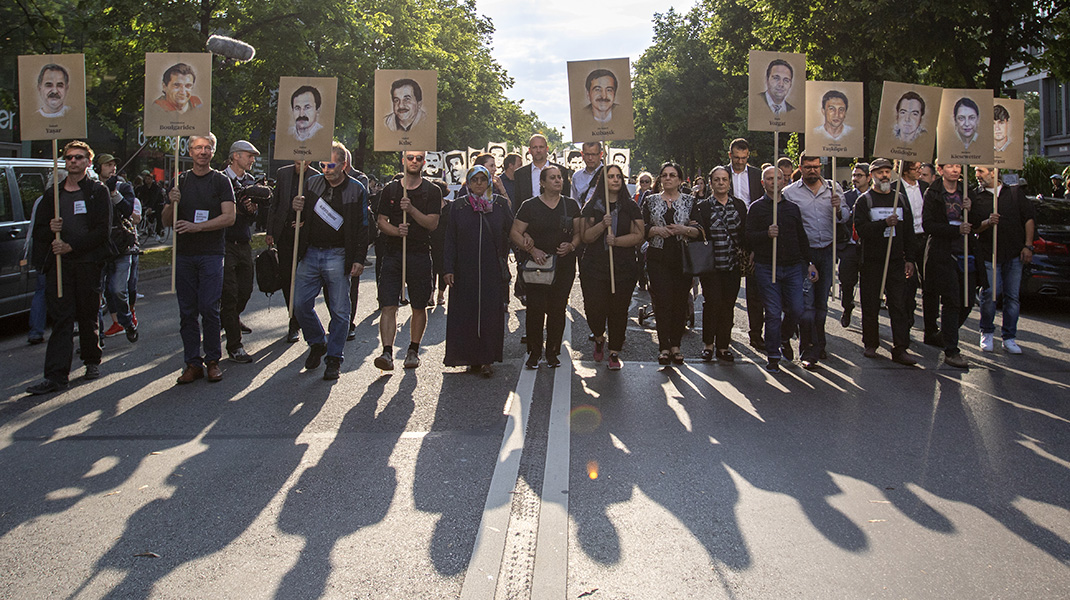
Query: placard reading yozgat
point(600, 92)
point(906, 127)
point(52, 96)
point(406, 110)
point(178, 93)
point(834, 119)
point(1008, 127)
point(304, 127)
point(777, 99)
point(962, 134)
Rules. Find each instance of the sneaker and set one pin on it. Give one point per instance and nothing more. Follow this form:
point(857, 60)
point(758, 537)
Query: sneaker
point(45, 386)
point(615, 363)
point(240, 356)
point(533, 360)
point(315, 353)
point(773, 366)
point(553, 361)
point(810, 365)
point(987, 342)
point(133, 316)
point(599, 350)
point(132, 334)
point(114, 330)
point(845, 319)
point(1011, 346)
point(412, 359)
point(956, 360)
point(384, 362)
point(92, 372)
point(334, 366)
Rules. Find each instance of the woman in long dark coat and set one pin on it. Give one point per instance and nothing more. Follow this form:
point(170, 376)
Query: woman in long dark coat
point(476, 245)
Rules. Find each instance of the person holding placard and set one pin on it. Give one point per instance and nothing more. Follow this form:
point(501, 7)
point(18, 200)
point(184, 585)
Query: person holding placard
point(848, 249)
point(408, 208)
point(1016, 222)
point(725, 220)
point(915, 189)
point(747, 185)
point(205, 201)
point(281, 222)
point(84, 225)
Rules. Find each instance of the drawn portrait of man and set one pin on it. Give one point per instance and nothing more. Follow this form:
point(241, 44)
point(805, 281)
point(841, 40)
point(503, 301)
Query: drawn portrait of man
point(498, 152)
point(53, 82)
point(177, 96)
point(776, 92)
point(621, 158)
point(600, 99)
point(305, 104)
point(909, 116)
point(601, 86)
point(834, 106)
point(778, 80)
point(575, 160)
point(407, 105)
point(433, 165)
point(967, 115)
point(1001, 128)
point(455, 167)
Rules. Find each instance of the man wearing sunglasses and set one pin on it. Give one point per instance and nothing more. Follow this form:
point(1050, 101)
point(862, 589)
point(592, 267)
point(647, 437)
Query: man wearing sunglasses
point(84, 224)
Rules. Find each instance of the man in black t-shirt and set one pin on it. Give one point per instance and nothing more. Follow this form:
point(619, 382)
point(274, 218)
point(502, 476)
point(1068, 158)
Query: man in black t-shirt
point(205, 201)
point(408, 208)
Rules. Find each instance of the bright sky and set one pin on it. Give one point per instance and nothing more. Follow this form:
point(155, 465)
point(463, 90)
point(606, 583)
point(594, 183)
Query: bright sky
point(535, 40)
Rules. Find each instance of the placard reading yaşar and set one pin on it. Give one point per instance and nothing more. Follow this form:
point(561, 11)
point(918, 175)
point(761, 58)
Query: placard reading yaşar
point(600, 93)
point(906, 126)
point(52, 96)
point(834, 118)
point(406, 110)
point(962, 132)
point(178, 93)
point(777, 99)
point(304, 126)
point(1008, 125)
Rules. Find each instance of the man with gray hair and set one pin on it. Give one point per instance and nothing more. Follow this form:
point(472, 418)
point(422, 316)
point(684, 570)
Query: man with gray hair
point(238, 261)
point(584, 181)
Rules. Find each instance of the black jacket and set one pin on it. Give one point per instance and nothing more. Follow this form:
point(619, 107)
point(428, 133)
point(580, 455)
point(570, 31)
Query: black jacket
point(792, 248)
point(945, 241)
point(94, 246)
point(871, 232)
point(754, 179)
point(522, 177)
point(281, 214)
point(354, 214)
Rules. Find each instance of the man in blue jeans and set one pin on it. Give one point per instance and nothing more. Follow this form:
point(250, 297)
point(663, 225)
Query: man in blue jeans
point(1015, 218)
point(783, 299)
point(205, 201)
point(331, 249)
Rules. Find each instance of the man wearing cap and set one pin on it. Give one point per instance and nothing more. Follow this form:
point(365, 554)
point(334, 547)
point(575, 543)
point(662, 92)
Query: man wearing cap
point(876, 222)
point(1057, 188)
point(115, 279)
point(238, 262)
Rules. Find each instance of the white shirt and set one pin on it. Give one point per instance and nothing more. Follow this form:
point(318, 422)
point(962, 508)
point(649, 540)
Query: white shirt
point(776, 109)
point(741, 186)
point(535, 172)
point(916, 202)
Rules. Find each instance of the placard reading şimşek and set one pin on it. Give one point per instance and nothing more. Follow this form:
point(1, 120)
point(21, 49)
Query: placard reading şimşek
point(178, 93)
point(52, 96)
point(304, 126)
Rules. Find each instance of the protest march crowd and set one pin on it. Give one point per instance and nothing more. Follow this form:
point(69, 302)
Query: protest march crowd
point(894, 238)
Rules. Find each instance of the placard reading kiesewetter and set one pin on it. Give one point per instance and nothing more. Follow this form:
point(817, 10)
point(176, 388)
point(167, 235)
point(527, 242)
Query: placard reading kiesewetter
point(777, 91)
point(52, 96)
point(178, 93)
point(835, 122)
point(406, 110)
point(600, 96)
point(304, 126)
point(962, 133)
point(906, 125)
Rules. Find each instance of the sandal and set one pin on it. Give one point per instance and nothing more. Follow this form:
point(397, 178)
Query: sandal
point(664, 358)
point(707, 354)
point(678, 358)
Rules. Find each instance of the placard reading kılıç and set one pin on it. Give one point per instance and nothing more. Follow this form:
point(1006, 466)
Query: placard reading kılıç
point(52, 96)
point(600, 92)
point(906, 126)
point(304, 127)
point(178, 93)
point(834, 119)
point(962, 132)
point(777, 99)
point(1008, 140)
point(406, 110)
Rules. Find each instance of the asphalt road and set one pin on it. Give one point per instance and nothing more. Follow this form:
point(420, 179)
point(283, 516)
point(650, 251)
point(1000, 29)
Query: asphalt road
point(864, 479)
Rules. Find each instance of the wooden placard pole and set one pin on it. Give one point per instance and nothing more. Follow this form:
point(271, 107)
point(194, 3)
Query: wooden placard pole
point(776, 190)
point(404, 247)
point(891, 236)
point(297, 235)
point(55, 213)
point(835, 218)
point(612, 225)
point(965, 241)
point(174, 218)
point(995, 209)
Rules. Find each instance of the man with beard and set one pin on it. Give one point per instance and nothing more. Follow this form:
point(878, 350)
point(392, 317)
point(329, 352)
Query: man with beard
point(238, 263)
point(53, 82)
point(407, 102)
point(601, 85)
point(876, 222)
point(305, 105)
point(909, 111)
point(177, 94)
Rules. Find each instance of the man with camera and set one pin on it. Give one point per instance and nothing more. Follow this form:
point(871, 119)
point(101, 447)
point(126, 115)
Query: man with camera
point(238, 261)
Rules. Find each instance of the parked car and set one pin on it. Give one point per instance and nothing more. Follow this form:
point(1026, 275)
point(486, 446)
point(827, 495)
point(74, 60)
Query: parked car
point(22, 181)
point(1049, 273)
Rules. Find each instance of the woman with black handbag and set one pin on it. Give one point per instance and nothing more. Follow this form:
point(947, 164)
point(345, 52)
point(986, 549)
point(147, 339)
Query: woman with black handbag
point(547, 227)
point(669, 217)
point(617, 226)
point(724, 220)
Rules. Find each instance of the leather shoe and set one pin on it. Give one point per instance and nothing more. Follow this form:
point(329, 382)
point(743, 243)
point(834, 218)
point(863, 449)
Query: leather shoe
point(244, 328)
point(45, 386)
point(904, 358)
point(315, 353)
point(334, 366)
point(293, 335)
point(240, 356)
point(869, 352)
point(845, 318)
point(352, 332)
point(192, 373)
point(933, 339)
point(214, 372)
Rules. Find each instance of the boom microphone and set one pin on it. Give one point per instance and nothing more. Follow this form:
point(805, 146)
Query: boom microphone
point(230, 48)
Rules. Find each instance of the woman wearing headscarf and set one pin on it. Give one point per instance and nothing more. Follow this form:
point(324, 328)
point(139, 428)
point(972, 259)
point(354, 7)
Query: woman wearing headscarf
point(548, 225)
point(475, 247)
point(724, 220)
point(668, 217)
point(617, 226)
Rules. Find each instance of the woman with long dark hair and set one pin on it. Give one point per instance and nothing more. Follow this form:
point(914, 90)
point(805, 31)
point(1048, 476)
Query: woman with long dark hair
point(724, 220)
point(668, 217)
point(611, 222)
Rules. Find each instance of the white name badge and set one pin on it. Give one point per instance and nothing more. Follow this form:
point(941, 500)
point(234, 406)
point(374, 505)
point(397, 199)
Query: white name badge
point(200, 216)
point(954, 222)
point(79, 207)
point(328, 214)
point(880, 213)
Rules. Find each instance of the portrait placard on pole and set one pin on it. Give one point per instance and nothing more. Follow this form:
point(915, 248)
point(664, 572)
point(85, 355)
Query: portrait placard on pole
point(777, 98)
point(600, 94)
point(52, 96)
point(178, 93)
point(962, 132)
point(906, 126)
point(304, 126)
point(406, 110)
point(1008, 139)
point(835, 123)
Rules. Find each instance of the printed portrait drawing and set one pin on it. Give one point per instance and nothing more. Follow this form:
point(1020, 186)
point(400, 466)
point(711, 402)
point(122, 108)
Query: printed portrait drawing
point(407, 105)
point(778, 79)
point(53, 82)
point(601, 86)
point(305, 104)
point(909, 118)
point(177, 96)
point(433, 165)
point(1001, 128)
point(967, 115)
point(834, 106)
point(455, 167)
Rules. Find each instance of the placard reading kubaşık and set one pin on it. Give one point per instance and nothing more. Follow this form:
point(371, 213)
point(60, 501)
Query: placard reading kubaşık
point(52, 96)
point(906, 125)
point(178, 93)
point(962, 132)
point(304, 127)
point(777, 91)
point(406, 110)
point(600, 93)
point(834, 119)
point(1008, 141)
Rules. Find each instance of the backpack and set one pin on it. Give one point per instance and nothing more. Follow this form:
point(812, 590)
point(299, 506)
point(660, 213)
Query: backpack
point(268, 272)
